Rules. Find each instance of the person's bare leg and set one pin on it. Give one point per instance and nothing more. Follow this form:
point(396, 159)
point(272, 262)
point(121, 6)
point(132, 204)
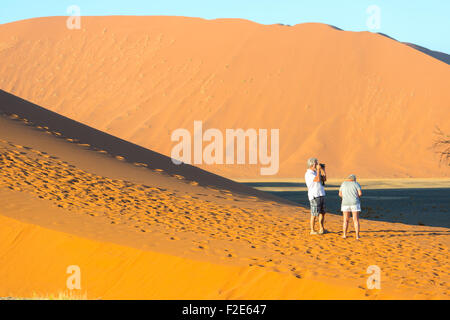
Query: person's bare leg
point(312, 222)
point(355, 216)
point(346, 216)
point(321, 222)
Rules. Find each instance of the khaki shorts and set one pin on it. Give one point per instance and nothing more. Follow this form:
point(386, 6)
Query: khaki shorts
point(317, 206)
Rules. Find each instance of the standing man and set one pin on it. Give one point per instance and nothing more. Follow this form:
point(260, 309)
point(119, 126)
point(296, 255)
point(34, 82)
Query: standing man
point(315, 176)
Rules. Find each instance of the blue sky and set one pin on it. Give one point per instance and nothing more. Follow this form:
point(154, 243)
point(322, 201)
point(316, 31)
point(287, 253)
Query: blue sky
point(423, 22)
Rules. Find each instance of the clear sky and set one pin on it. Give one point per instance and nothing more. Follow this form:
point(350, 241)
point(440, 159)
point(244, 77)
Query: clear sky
point(423, 22)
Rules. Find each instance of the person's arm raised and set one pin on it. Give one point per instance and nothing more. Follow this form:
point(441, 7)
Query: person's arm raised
point(317, 177)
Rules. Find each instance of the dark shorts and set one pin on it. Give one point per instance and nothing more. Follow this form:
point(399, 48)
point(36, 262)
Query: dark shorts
point(317, 206)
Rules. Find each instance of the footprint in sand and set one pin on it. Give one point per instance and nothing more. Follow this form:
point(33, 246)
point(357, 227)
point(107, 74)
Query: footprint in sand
point(140, 164)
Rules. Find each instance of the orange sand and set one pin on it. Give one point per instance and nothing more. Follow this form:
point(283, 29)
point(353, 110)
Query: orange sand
point(111, 271)
point(360, 101)
point(140, 233)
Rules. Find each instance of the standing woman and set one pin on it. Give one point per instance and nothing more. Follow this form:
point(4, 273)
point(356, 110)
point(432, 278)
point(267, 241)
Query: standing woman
point(350, 192)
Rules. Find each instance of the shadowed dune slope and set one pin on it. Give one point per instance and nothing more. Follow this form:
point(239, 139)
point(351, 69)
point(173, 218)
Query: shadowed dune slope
point(138, 232)
point(81, 134)
point(435, 54)
point(360, 101)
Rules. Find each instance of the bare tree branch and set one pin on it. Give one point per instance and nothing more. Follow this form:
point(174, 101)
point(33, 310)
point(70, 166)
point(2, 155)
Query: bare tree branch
point(442, 145)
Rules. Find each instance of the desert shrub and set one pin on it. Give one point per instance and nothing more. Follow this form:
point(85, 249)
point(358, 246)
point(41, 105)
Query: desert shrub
point(442, 146)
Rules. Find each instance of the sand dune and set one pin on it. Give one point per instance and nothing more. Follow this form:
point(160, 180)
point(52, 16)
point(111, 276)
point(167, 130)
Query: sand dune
point(362, 102)
point(89, 138)
point(137, 232)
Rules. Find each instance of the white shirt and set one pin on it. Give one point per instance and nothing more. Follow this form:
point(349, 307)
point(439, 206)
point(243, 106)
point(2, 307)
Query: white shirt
point(315, 188)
